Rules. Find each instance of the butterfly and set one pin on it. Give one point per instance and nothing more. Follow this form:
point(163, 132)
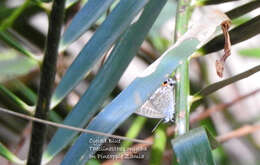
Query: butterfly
point(161, 104)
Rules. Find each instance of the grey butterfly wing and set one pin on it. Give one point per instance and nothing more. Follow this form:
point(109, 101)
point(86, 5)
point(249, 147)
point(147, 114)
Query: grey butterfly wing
point(156, 105)
point(148, 110)
point(161, 103)
point(168, 107)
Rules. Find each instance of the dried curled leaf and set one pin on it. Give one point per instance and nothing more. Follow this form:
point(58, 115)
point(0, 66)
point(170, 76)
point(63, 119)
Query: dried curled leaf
point(227, 48)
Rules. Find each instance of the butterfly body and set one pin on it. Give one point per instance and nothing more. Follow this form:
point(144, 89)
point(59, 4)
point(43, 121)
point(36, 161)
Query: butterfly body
point(161, 103)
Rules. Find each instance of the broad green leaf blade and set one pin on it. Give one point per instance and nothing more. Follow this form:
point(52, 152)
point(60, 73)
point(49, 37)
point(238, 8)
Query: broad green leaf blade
point(193, 148)
point(141, 28)
point(9, 155)
point(158, 147)
point(251, 52)
point(104, 82)
point(142, 87)
point(92, 10)
point(218, 85)
point(129, 100)
point(115, 24)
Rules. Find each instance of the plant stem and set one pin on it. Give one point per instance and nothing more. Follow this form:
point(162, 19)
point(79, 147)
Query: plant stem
point(182, 94)
point(46, 83)
point(182, 74)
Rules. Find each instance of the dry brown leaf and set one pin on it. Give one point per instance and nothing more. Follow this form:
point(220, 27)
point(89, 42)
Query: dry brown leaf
point(227, 48)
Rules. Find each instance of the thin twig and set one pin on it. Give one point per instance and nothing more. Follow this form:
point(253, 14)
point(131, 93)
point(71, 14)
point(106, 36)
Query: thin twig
point(70, 127)
point(221, 107)
point(245, 130)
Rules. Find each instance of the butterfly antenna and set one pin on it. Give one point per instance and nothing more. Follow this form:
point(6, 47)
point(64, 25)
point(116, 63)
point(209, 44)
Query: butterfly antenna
point(157, 125)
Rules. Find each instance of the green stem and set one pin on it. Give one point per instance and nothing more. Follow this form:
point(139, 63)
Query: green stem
point(46, 82)
point(184, 11)
point(182, 95)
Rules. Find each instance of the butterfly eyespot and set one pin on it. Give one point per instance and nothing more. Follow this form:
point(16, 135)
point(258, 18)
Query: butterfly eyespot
point(165, 82)
point(171, 84)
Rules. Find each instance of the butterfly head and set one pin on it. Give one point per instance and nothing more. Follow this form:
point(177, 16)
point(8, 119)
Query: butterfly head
point(169, 83)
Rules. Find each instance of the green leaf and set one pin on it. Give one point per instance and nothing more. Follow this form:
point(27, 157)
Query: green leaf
point(251, 52)
point(17, 101)
point(240, 20)
point(239, 34)
point(158, 147)
point(211, 2)
point(115, 24)
point(193, 148)
point(26, 92)
point(9, 21)
point(46, 1)
point(134, 130)
point(104, 82)
point(241, 10)
point(147, 18)
point(218, 85)
point(92, 10)
point(130, 99)
point(12, 65)
point(93, 162)
point(142, 87)
point(5, 12)
point(6, 37)
point(9, 155)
